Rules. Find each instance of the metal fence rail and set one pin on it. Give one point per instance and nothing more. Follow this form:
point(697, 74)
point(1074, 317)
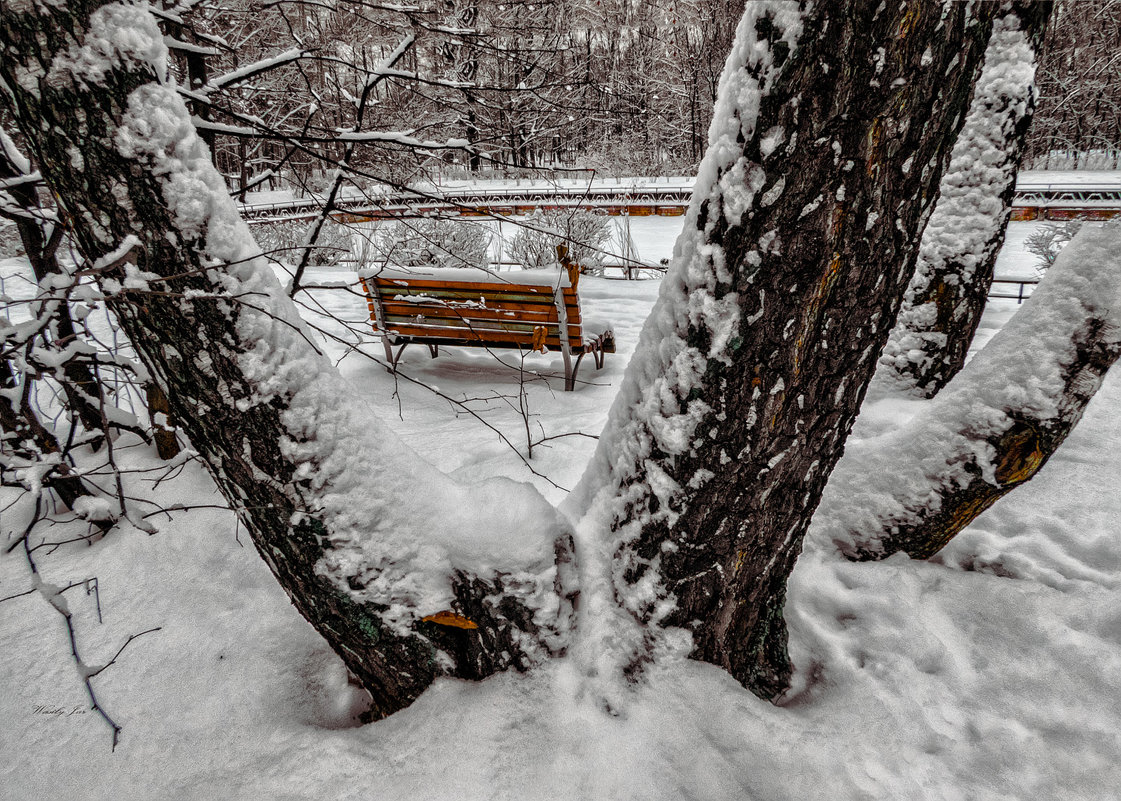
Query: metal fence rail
point(635, 197)
point(1015, 289)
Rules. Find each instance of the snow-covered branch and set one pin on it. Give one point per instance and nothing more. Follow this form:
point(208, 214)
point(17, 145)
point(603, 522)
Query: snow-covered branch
point(252, 70)
point(995, 425)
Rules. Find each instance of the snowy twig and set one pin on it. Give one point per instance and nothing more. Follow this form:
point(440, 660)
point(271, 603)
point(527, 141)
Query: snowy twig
point(455, 402)
point(53, 595)
point(329, 206)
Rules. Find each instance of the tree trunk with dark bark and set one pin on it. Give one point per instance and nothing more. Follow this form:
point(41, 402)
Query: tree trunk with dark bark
point(831, 134)
point(89, 91)
point(947, 295)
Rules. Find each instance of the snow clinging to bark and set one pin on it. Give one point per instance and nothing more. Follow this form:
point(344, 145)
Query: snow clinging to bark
point(653, 418)
point(961, 233)
point(1018, 375)
point(651, 409)
point(118, 32)
point(386, 543)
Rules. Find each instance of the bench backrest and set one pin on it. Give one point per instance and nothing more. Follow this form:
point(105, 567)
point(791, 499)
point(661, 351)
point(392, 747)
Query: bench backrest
point(469, 312)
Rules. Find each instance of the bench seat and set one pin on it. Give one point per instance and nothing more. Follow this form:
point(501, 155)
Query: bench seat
point(469, 307)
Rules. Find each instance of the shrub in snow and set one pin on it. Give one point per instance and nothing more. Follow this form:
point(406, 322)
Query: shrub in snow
point(1049, 240)
point(584, 232)
point(284, 240)
point(423, 243)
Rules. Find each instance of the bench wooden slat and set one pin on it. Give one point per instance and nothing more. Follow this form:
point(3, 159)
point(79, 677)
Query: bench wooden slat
point(458, 301)
point(476, 314)
point(479, 338)
point(410, 284)
point(411, 310)
point(393, 321)
point(459, 327)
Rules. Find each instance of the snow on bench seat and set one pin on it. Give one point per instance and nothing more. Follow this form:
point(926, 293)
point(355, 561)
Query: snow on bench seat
point(472, 307)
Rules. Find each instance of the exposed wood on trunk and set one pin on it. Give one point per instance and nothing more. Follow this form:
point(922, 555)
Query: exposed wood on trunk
point(163, 424)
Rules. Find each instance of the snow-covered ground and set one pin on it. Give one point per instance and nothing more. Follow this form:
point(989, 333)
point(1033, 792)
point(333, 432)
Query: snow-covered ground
point(992, 673)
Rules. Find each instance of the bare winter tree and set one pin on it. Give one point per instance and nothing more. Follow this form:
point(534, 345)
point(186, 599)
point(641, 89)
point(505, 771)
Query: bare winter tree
point(828, 144)
point(1079, 118)
point(824, 159)
point(388, 583)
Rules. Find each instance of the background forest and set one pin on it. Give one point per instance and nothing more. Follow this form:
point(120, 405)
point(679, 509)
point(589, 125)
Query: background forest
point(622, 87)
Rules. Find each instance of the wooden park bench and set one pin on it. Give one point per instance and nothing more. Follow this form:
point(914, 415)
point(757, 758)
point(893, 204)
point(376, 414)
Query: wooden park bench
point(469, 307)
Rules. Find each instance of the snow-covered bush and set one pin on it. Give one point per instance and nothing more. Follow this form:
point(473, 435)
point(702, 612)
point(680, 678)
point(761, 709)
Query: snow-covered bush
point(423, 243)
point(284, 240)
point(584, 232)
point(1049, 240)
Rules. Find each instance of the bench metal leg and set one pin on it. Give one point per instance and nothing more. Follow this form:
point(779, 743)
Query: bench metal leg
point(570, 377)
point(400, 350)
point(434, 350)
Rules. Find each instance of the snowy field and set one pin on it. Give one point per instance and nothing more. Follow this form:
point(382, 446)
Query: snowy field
point(992, 673)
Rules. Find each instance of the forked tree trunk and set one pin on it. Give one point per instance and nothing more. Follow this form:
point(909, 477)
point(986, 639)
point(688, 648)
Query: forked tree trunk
point(829, 139)
point(954, 272)
point(402, 583)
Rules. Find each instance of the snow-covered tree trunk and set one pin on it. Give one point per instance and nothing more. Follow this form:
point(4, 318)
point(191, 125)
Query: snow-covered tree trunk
point(954, 271)
point(406, 573)
point(995, 425)
point(827, 145)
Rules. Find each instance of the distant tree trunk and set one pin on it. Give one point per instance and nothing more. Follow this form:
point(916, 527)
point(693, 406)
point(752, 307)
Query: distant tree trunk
point(960, 244)
point(827, 145)
point(197, 72)
point(381, 579)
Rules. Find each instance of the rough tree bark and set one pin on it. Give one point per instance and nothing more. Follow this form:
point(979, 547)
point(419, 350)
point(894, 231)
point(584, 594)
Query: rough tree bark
point(947, 294)
point(394, 585)
point(828, 142)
